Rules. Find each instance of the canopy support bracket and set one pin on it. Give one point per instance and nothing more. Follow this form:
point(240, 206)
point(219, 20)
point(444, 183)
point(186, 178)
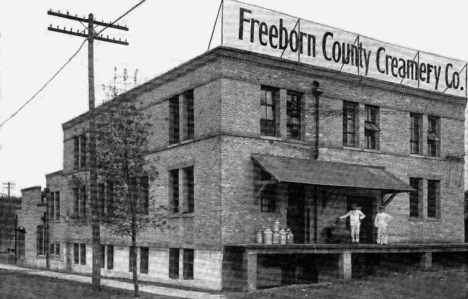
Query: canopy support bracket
point(389, 199)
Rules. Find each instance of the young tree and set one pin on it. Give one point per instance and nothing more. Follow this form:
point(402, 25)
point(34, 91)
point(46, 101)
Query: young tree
point(122, 143)
point(122, 133)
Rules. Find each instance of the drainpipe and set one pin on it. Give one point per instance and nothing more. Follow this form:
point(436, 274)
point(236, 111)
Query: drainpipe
point(316, 92)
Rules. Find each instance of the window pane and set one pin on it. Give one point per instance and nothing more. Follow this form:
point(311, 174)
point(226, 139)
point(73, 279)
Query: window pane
point(110, 256)
point(103, 256)
point(174, 263)
point(144, 258)
point(174, 182)
point(131, 258)
point(174, 120)
point(269, 98)
point(432, 197)
point(57, 205)
point(76, 253)
point(83, 254)
point(51, 205)
point(415, 197)
point(188, 263)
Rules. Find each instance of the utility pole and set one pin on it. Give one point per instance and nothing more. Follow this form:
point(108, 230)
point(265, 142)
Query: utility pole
point(91, 36)
point(9, 219)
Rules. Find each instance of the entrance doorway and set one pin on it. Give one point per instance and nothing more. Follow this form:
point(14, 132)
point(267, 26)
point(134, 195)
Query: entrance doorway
point(296, 215)
point(366, 234)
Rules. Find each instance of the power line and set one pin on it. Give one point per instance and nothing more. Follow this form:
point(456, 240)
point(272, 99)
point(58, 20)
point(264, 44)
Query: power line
point(66, 63)
point(45, 85)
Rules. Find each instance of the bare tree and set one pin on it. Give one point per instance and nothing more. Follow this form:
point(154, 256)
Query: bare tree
point(122, 133)
point(122, 143)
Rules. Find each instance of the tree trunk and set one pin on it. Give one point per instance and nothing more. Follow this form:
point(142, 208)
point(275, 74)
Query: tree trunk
point(134, 266)
point(96, 280)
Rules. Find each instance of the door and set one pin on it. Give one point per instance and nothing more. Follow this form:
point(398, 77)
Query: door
point(366, 234)
point(296, 216)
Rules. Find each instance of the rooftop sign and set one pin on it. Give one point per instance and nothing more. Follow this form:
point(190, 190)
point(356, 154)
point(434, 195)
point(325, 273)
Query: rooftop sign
point(269, 32)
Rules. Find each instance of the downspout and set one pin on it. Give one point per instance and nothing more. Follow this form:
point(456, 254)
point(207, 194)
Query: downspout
point(316, 92)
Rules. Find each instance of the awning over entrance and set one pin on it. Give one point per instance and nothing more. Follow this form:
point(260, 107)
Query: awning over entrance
point(323, 173)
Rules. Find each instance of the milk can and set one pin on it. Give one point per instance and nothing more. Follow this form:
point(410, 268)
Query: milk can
point(289, 237)
point(260, 236)
point(267, 236)
point(276, 226)
point(283, 235)
point(276, 237)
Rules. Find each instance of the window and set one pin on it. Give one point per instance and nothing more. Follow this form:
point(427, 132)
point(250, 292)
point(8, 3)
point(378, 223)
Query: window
point(189, 114)
point(174, 263)
point(57, 206)
point(371, 127)
point(52, 206)
point(350, 124)
point(79, 157)
point(174, 120)
point(132, 257)
point(415, 134)
point(79, 195)
point(415, 199)
point(433, 136)
point(76, 253)
point(268, 99)
point(40, 240)
point(101, 199)
point(21, 244)
point(293, 112)
point(103, 256)
point(110, 257)
point(268, 195)
point(174, 189)
point(55, 249)
point(140, 187)
point(110, 198)
point(144, 259)
point(79, 198)
point(144, 195)
point(79, 253)
point(83, 254)
point(189, 203)
point(433, 197)
point(188, 263)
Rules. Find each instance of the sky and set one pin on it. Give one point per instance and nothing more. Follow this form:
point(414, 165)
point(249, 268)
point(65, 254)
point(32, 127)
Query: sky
point(162, 35)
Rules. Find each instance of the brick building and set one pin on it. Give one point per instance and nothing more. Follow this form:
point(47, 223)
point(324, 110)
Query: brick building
point(234, 143)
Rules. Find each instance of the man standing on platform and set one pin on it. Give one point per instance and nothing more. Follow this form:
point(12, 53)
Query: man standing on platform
point(355, 217)
point(381, 221)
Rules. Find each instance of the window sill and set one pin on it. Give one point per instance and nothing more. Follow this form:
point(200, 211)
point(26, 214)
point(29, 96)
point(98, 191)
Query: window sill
point(182, 215)
point(186, 141)
point(371, 150)
point(299, 141)
point(352, 148)
point(424, 220)
point(273, 138)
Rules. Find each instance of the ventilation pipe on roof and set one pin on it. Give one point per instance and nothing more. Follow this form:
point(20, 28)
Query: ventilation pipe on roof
point(316, 92)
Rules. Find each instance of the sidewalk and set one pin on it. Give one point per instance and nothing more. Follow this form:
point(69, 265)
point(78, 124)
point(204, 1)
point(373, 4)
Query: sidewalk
point(151, 289)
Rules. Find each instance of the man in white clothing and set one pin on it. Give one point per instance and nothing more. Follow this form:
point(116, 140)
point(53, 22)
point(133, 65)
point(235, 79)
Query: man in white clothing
point(381, 221)
point(355, 217)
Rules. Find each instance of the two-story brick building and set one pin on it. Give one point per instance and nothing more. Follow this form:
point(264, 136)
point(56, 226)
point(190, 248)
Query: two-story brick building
point(235, 135)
